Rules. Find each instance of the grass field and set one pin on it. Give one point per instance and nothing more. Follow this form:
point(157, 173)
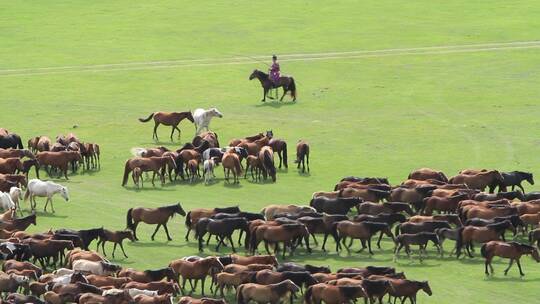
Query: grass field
point(371, 114)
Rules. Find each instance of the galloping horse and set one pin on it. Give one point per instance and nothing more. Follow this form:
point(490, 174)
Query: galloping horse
point(159, 216)
point(169, 119)
point(202, 118)
point(286, 82)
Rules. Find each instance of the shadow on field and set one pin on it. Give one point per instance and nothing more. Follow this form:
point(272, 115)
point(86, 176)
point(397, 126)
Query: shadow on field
point(232, 186)
point(46, 214)
point(275, 104)
point(511, 278)
point(150, 244)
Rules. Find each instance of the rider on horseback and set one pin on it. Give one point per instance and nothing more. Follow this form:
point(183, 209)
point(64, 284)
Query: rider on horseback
point(274, 71)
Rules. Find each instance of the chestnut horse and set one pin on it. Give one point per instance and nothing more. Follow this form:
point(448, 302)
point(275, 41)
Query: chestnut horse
point(197, 270)
point(159, 216)
point(511, 250)
point(10, 165)
point(231, 162)
point(168, 119)
point(478, 181)
point(60, 160)
point(20, 153)
point(273, 293)
point(154, 164)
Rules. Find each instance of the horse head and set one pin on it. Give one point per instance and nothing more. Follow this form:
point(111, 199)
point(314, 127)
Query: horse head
point(64, 193)
point(180, 210)
point(254, 74)
point(215, 112)
point(189, 116)
point(529, 177)
point(426, 288)
point(269, 134)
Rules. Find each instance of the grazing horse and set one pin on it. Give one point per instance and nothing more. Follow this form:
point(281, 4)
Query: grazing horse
point(266, 159)
point(202, 118)
point(421, 239)
point(47, 189)
point(44, 144)
point(196, 270)
point(154, 164)
point(511, 250)
point(117, 237)
point(514, 179)
point(159, 216)
point(302, 155)
point(262, 294)
point(11, 140)
point(286, 82)
point(209, 136)
point(428, 173)
point(469, 234)
point(231, 162)
point(235, 142)
point(168, 119)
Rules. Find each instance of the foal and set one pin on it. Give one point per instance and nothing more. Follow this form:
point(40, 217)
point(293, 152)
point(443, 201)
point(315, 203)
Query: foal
point(117, 237)
point(302, 153)
point(208, 170)
point(136, 175)
point(421, 239)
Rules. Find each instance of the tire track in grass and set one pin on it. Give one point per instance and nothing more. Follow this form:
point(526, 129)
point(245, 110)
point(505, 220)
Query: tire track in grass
point(240, 60)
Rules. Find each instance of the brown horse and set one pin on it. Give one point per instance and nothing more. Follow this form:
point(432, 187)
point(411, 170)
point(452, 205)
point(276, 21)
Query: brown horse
point(154, 164)
point(331, 294)
point(190, 300)
point(287, 233)
point(302, 155)
point(428, 173)
point(287, 83)
point(254, 147)
point(469, 234)
point(60, 160)
point(195, 215)
point(197, 270)
point(262, 294)
point(231, 162)
point(256, 259)
point(10, 165)
point(235, 142)
point(44, 144)
point(254, 166)
point(168, 119)
point(266, 158)
point(442, 204)
point(209, 136)
point(137, 177)
point(404, 289)
point(20, 153)
point(280, 147)
point(193, 169)
point(479, 181)
point(152, 216)
point(511, 250)
point(117, 237)
point(19, 224)
point(363, 231)
point(450, 218)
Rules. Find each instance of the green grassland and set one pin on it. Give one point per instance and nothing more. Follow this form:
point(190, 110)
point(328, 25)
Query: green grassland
point(369, 116)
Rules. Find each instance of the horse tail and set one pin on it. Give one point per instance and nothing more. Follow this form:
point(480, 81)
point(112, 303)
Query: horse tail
point(308, 295)
point(26, 195)
point(127, 169)
point(269, 165)
point(239, 295)
point(443, 176)
point(459, 241)
point(146, 119)
point(237, 166)
point(483, 251)
point(292, 87)
point(139, 152)
point(285, 155)
point(129, 219)
point(19, 143)
point(397, 229)
point(188, 219)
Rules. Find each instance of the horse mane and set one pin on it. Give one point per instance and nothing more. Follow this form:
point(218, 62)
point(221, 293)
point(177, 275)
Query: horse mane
point(522, 246)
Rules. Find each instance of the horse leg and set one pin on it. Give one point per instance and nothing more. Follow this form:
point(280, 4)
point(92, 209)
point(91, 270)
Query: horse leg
point(172, 132)
point(46, 203)
point(155, 231)
point(232, 243)
point(153, 178)
point(265, 91)
point(486, 264)
point(379, 241)
point(509, 266)
point(135, 224)
point(520, 187)
point(519, 266)
point(114, 249)
point(167, 232)
point(154, 135)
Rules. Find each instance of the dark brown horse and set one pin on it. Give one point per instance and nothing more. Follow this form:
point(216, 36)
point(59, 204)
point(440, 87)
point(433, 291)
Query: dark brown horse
point(117, 237)
point(273, 293)
point(154, 164)
point(511, 250)
point(469, 234)
point(20, 153)
point(10, 165)
point(287, 83)
point(152, 216)
point(60, 160)
point(266, 158)
point(280, 147)
point(196, 270)
point(302, 155)
point(168, 119)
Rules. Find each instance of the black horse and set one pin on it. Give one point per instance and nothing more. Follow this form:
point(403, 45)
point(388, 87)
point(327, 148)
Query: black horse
point(287, 83)
point(87, 236)
point(513, 179)
point(338, 205)
point(388, 218)
point(290, 266)
point(510, 195)
point(222, 229)
point(421, 239)
point(11, 140)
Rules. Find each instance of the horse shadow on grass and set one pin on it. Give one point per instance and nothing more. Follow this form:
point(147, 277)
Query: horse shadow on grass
point(46, 214)
point(232, 185)
point(275, 104)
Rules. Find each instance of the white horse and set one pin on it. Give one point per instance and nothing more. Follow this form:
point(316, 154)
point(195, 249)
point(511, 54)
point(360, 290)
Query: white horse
point(208, 171)
point(16, 195)
point(6, 202)
point(202, 118)
point(47, 189)
point(98, 268)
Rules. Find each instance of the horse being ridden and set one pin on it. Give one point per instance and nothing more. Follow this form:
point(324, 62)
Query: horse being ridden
point(274, 80)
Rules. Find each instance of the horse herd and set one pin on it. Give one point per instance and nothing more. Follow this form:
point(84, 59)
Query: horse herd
point(204, 150)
